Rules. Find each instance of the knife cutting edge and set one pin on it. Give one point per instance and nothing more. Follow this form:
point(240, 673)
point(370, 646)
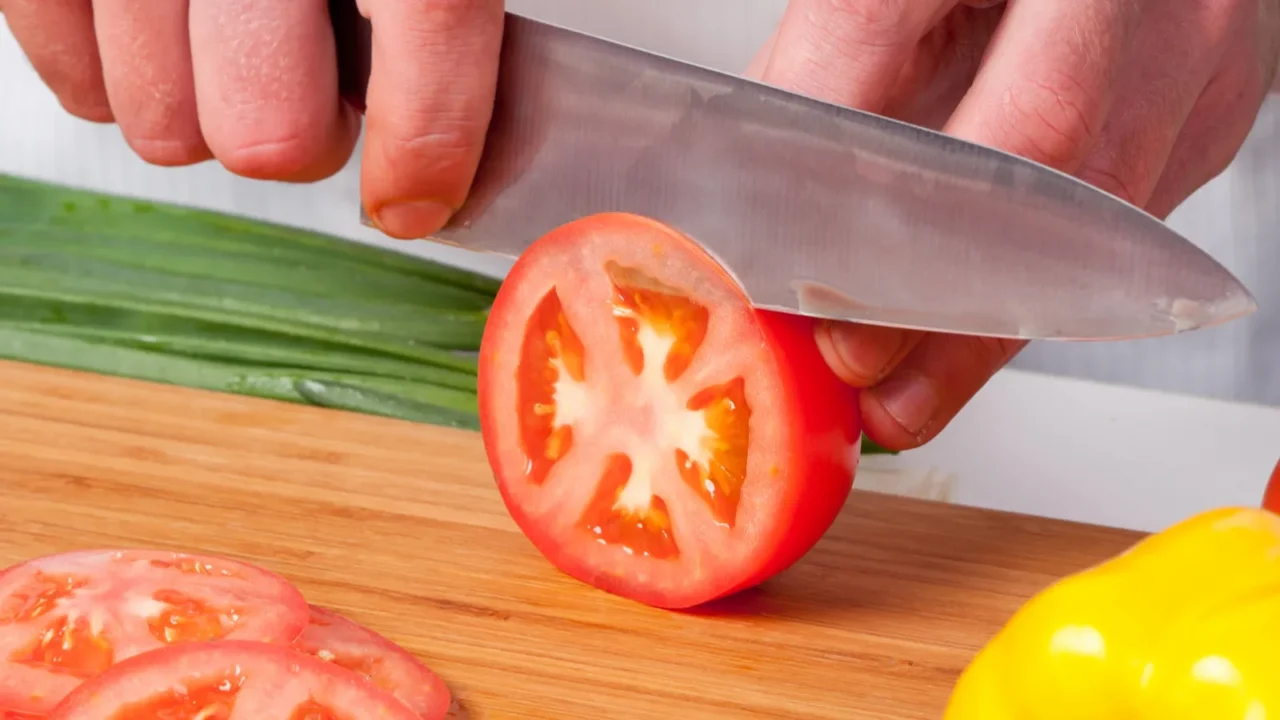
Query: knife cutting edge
point(817, 209)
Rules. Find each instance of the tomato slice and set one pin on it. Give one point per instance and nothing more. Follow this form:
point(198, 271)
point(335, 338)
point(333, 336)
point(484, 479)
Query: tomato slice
point(343, 642)
point(66, 618)
point(650, 431)
point(229, 680)
point(1271, 495)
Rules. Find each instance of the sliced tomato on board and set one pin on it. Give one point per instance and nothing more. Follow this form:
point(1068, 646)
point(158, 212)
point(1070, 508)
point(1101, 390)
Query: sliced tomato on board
point(651, 432)
point(1271, 495)
point(343, 642)
point(229, 680)
point(66, 618)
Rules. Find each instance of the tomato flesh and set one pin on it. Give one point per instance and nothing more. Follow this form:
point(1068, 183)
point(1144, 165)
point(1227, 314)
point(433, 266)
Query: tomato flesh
point(347, 644)
point(206, 698)
point(67, 618)
point(228, 680)
point(650, 431)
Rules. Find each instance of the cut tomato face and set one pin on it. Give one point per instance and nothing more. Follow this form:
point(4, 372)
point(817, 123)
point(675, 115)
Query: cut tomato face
point(650, 431)
point(333, 638)
point(66, 618)
point(229, 680)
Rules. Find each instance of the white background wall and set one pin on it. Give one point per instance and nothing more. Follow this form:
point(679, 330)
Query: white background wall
point(1138, 458)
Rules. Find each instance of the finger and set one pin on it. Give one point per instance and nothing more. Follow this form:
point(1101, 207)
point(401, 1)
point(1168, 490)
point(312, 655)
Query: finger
point(942, 69)
point(1216, 128)
point(1045, 86)
point(266, 81)
point(760, 61)
point(848, 51)
point(146, 65)
point(861, 355)
point(433, 75)
point(57, 37)
point(1154, 97)
point(1048, 79)
point(931, 384)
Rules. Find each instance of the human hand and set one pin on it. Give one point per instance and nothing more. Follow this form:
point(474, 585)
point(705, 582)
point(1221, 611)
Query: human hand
point(254, 85)
point(1146, 99)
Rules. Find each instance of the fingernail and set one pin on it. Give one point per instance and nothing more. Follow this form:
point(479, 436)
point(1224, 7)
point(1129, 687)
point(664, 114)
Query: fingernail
point(412, 220)
point(910, 400)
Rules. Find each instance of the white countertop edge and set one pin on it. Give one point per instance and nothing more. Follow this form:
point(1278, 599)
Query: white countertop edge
point(1079, 450)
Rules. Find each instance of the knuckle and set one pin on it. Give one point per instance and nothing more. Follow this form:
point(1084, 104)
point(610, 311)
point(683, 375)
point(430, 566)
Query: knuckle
point(1125, 185)
point(169, 151)
point(886, 22)
point(288, 147)
point(441, 153)
point(454, 7)
point(272, 159)
point(438, 136)
point(1051, 120)
point(1233, 99)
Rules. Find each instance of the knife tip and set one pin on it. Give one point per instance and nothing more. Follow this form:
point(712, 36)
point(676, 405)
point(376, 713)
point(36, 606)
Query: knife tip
point(1189, 314)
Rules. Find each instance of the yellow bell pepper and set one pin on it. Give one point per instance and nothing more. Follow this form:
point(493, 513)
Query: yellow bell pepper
point(1185, 625)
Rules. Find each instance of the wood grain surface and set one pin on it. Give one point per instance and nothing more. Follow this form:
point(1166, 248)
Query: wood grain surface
point(400, 526)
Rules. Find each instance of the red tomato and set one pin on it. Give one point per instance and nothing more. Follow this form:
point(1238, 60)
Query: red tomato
point(650, 432)
point(66, 618)
point(343, 642)
point(1271, 496)
point(229, 680)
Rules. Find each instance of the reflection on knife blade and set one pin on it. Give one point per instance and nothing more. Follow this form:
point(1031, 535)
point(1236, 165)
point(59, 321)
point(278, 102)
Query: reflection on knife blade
point(822, 210)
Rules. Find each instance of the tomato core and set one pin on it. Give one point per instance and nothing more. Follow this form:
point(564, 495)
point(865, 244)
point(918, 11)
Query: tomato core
point(187, 619)
point(645, 531)
point(69, 645)
point(700, 440)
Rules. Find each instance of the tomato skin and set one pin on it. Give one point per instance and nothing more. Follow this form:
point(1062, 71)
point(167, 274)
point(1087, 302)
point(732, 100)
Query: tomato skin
point(1271, 495)
point(282, 677)
point(823, 404)
point(815, 416)
point(335, 638)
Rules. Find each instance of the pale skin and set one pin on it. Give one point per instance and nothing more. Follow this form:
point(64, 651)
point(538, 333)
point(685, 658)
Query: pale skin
point(1147, 99)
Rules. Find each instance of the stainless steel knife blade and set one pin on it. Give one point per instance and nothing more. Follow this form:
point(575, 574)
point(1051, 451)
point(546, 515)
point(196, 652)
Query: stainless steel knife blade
point(823, 210)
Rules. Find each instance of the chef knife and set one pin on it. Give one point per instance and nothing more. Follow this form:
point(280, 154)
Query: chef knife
point(817, 209)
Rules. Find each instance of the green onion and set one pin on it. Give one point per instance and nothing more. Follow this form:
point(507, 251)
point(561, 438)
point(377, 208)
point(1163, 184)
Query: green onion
point(190, 297)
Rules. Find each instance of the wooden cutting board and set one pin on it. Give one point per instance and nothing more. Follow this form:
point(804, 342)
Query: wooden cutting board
point(400, 526)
